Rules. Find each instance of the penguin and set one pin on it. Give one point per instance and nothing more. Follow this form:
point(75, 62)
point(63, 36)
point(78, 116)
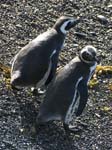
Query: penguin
point(67, 94)
point(35, 64)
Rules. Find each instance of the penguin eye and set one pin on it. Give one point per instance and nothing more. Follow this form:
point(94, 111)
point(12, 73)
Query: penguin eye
point(87, 54)
point(68, 26)
point(94, 54)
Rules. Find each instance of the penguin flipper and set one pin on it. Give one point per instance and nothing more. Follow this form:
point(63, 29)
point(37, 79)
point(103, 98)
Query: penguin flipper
point(83, 91)
point(54, 60)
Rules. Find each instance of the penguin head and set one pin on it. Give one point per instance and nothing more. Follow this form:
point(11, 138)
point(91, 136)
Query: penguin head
point(64, 23)
point(89, 54)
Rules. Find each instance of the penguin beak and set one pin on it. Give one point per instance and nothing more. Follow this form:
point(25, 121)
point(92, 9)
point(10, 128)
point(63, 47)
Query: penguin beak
point(72, 23)
point(75, 22)
point(79, 19)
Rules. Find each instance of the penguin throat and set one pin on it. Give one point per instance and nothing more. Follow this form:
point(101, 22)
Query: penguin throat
point(92, 70)
point(63, 27)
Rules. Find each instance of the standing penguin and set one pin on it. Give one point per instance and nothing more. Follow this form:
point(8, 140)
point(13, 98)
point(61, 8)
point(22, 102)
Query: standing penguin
point(36, 63)
point(68, 93)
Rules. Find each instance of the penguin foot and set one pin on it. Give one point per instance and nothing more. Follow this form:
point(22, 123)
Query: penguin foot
point(37, 91)
point(71, 129)
point(40, 91)
point(15, 88)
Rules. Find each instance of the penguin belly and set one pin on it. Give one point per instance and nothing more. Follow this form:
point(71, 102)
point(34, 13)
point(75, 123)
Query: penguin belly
point(74, 105)
point(72, 109)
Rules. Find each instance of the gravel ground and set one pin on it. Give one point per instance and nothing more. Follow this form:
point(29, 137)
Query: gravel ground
point(23, 20)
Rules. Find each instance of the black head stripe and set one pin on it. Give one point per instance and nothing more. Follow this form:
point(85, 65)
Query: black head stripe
point(69, 25)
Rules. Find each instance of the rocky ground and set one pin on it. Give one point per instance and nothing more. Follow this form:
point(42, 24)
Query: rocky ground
point(20, 22)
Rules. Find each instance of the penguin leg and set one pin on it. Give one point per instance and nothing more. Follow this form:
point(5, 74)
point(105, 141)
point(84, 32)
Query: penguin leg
point(38, 125)
point(71, 129)
point(35, 128)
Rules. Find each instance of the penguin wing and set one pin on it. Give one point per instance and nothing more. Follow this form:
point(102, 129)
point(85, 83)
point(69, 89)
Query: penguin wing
point(83, 93)
point(31, 64)
point(54, 60)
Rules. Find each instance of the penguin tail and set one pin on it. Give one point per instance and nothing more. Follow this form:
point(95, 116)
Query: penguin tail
point(15, 82)
point(42, 119)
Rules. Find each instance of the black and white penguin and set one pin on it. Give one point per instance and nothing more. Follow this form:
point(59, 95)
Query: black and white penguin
point(68, 92)
point(36, 63)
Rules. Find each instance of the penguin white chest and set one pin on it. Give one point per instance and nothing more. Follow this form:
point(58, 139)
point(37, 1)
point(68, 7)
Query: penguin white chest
point(92, 69)
point(74, 105)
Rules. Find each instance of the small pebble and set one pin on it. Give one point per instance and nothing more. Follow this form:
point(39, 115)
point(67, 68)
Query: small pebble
point(93, 33)
point(102, 19)
point(97, 115)
point(80, 35)
point(76, 45)
point(19, 26)
point(109, 6)
point(21, 129)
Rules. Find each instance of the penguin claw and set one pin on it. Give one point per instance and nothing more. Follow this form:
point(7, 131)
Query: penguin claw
point(36, 92)
point(40, 91)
